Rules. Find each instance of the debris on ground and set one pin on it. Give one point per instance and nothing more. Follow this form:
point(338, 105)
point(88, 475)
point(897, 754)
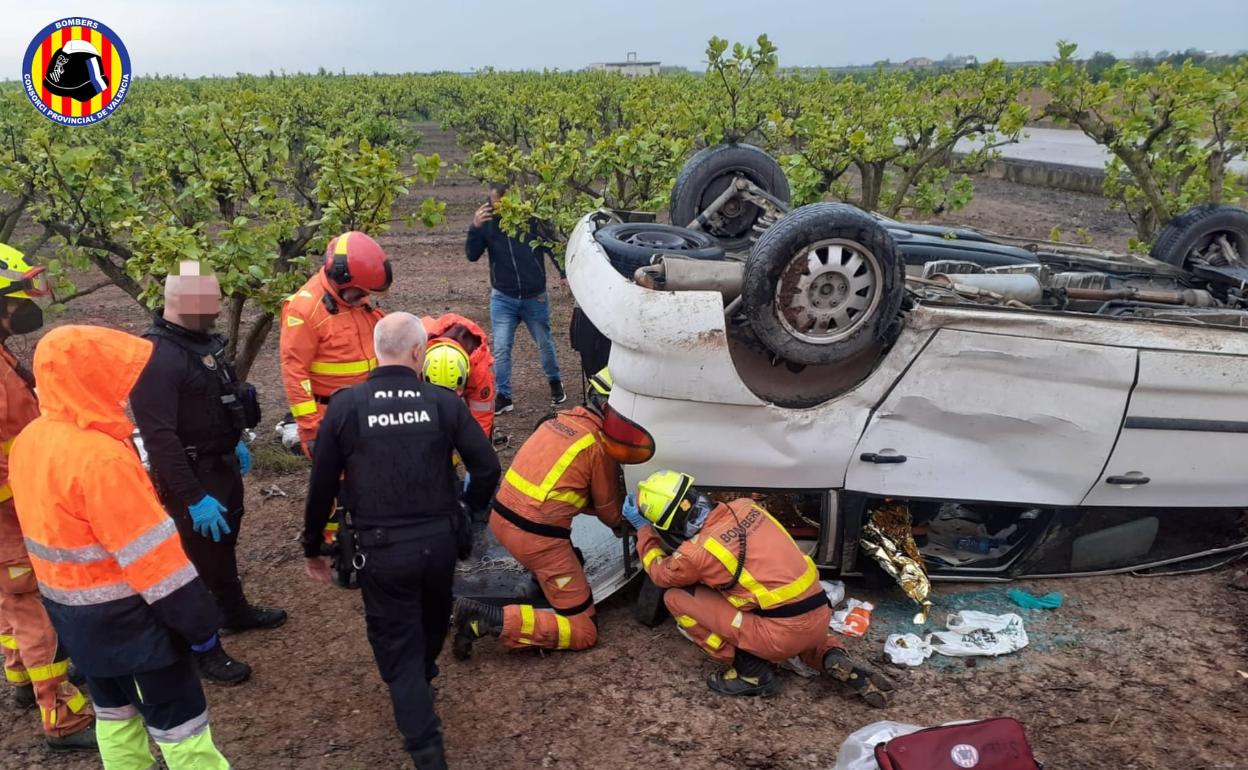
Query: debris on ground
point(854, 620)
point(907, 649)
point(978, 633)
point(857, 751)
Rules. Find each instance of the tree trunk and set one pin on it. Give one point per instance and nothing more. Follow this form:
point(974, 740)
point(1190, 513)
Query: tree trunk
point(10, 218)
point(872, 185)
point(233, 322)
point(253, 341)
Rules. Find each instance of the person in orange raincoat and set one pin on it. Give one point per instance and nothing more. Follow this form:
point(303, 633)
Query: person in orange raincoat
point(127, 603)
point(739, 588)
point(478, 388)
point(327, 328)
point(562, 470)
point(33, 660)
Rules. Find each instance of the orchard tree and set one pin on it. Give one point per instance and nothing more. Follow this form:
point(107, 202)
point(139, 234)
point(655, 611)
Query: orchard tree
point(1172, 130)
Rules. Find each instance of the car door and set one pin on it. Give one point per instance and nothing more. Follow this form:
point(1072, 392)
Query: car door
point(997, 418)
point(1185, 436)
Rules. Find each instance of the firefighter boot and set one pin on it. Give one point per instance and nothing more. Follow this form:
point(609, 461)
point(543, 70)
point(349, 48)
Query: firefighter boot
point(474, 620)
point(749, 675)
point(872, 687)
point(218, 667)
point(430, 757)
point(83, 740)
point(24, 696)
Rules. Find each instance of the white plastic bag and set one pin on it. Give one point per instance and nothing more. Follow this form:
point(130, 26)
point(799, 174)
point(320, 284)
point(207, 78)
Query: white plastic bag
point(907, 649)
point(978, 633)
point(857, 752)
point(835, 591)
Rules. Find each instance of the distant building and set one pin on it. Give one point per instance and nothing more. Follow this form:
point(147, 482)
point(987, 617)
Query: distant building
point(630, 67)
point(918, 62)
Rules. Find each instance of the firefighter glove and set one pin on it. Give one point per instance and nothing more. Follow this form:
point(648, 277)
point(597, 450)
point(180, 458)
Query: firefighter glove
point(631, 514)
point(206, 515)
point(244, 458)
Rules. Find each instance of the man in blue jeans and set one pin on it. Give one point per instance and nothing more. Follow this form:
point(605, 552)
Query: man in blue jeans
point(518, 281)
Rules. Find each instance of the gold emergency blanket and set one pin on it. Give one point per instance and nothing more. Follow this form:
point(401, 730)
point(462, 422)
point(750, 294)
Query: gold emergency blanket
point(889, 540)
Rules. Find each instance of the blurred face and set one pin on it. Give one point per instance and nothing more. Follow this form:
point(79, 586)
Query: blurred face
point(195, 300)
point(354, 296)
point(495, 197)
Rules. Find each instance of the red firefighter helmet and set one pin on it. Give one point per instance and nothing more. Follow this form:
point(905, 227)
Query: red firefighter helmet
point(355, 261)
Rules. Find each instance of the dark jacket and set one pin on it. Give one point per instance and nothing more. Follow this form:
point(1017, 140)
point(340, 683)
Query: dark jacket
point(177, 408)
point(394, 436)
point(516, 268)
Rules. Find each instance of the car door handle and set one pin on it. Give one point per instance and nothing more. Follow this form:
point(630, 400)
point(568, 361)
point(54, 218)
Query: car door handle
point(1128, 480)
point(882, 459)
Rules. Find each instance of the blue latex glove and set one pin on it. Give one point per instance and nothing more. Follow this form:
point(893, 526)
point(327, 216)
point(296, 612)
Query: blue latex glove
point(1049, 601)
point(632, 515)
point(244, 458)
point(206, 515)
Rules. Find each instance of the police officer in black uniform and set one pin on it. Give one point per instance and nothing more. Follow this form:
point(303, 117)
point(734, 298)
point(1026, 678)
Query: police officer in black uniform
point(191, 412)
point(391, 438)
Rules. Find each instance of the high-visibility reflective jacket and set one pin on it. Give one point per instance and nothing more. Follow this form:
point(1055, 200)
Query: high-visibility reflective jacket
point(17, 408)
point(479, 390)
point(562, 470)
point(326, 345)
point(114, 578)
point(776, 571)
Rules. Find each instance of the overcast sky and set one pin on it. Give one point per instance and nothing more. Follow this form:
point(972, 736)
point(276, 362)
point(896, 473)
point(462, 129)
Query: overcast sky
point(227, 36)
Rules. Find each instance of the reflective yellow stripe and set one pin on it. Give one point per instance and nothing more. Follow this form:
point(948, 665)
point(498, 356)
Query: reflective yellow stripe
point(16, 677)
point(764, 597)
point(565, 632)
point(331, 526)
point(5, 493)
point(714, 641)
point(684, 621)
point(542, 492)
point(480, 406)
point(7, 446)
point(526, 624)
point(76, 703)
point(343, 367)
point(303, 409)
point(8, 642)
point(50, 671)
point(651, 555)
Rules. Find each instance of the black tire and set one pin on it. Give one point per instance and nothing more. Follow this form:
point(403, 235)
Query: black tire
point(851, 301)
point(650, 609)
point(631, 245)
point(708, 173)
point(1195, 229)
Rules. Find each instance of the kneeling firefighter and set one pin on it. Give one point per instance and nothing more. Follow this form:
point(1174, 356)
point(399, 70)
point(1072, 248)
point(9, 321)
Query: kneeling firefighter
point(739, 588)
point(562, 470)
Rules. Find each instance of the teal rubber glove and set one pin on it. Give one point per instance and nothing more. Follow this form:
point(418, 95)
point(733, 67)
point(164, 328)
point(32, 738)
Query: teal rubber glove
point(207, 518)
point(244, 458)
point(1049, 601)
point(632, 515)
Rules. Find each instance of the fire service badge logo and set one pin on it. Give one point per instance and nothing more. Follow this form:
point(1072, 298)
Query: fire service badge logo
point(76, 72)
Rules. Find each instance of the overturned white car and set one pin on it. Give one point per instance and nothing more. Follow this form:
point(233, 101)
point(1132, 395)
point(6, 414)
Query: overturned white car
point(1043, 409)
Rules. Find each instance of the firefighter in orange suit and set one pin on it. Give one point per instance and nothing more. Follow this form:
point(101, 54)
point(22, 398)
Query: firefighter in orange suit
point(327, 328)
point(121, 593)
point(739, 588)
point(478, 389)
point(560, 471)
point(33, 660)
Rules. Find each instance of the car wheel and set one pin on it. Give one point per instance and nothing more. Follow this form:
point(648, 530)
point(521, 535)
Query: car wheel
point(1203, 233)
point(823, 284)
point(705, 177)
point(650, 609)
point(631, 245)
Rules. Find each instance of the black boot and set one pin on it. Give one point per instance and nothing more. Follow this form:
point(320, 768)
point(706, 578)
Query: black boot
point(474, 620)
point(24, 696)
point(872, 687)
point(749, 675)
point(83, 740)
point(218, 667)
point(255, 618)
point(430, 757)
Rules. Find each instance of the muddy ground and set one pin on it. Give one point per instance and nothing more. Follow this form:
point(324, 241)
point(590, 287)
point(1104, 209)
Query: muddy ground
point(1129, 673)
